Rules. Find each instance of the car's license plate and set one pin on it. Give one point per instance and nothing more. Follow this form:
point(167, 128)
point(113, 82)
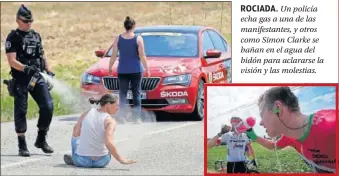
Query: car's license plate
point(130, 95)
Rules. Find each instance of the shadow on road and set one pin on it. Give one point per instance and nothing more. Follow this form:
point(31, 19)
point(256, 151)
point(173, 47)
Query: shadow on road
point(106, 168)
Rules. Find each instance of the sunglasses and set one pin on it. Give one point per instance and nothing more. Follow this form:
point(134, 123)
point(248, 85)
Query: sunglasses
point(26, 21)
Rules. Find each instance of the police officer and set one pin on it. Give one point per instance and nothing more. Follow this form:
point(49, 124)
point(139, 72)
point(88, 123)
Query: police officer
point(26, 58)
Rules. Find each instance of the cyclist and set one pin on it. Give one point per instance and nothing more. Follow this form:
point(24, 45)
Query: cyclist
point(236, 143)
point(313, 136)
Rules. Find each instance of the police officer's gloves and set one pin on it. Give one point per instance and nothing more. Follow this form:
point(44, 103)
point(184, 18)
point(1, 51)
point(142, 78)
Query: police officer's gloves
point(224, 129)
point(251, 134)
point(30, 70)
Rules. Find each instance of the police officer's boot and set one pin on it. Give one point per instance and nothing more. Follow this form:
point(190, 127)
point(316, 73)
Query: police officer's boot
point(23, 151)
point(41, 142)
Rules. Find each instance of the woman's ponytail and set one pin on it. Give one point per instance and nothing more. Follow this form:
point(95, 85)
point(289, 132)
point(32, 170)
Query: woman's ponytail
point(129, 23)
point(92, 101)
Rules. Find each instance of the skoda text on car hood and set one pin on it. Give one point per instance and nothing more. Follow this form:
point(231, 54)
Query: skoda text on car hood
point(180, 59)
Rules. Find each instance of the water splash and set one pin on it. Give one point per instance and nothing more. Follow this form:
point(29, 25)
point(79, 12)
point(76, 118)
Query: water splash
point(68, 96)
point(277, 155)
point(72, 98)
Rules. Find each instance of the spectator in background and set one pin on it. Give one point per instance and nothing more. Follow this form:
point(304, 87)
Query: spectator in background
point(130, 71)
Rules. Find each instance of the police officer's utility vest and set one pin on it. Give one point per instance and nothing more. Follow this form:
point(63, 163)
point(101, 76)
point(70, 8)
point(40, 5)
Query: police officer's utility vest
point(31, 51)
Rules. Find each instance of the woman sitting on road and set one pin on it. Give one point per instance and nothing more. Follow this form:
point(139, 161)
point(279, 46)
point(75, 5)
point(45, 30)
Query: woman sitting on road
point(92, 143)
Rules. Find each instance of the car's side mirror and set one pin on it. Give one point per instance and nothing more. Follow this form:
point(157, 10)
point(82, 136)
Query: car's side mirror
point(212, 53)
point(100, 53)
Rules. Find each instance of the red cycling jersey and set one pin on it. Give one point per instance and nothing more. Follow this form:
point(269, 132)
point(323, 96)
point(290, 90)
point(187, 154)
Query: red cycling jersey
point(318, 144)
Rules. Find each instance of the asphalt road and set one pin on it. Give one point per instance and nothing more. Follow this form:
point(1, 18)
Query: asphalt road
point(163, 148)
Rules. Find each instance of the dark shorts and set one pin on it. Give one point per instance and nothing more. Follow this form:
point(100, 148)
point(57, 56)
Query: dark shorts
point(236, 167)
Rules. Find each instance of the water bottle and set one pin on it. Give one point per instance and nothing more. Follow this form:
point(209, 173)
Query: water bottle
point(245, 125)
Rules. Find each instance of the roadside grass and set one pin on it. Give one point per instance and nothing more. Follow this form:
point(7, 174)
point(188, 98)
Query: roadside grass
point(72, 31)
point(289, 159)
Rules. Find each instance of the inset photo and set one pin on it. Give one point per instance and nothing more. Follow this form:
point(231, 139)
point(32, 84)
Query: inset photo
point(278, 128)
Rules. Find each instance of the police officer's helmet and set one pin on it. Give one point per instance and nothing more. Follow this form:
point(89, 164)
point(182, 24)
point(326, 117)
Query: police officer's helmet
point(24, 13)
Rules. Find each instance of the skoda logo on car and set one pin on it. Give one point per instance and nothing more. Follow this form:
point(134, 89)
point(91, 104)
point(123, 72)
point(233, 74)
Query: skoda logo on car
point(165, 94)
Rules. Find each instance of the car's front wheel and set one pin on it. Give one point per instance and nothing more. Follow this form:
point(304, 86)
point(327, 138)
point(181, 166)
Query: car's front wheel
point(198, 113)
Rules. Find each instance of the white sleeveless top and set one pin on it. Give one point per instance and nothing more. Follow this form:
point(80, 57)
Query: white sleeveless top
point(92, 135)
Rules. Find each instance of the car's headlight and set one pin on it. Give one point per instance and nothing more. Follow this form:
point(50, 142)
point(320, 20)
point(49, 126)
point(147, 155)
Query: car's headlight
point(178, 79)
point(90, 79)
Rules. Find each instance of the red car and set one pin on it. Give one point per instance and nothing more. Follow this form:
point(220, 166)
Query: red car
point(181, 59)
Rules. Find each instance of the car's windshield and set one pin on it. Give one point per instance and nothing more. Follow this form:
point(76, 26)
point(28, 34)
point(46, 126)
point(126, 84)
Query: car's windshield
point(168, 44)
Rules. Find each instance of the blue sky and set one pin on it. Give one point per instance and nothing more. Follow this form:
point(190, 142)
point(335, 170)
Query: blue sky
point(315, 98)
point(224, 102)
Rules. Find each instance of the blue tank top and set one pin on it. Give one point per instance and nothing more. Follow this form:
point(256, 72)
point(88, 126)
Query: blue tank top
point(129, 61)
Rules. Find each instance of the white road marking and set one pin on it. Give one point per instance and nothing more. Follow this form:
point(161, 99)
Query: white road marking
point(69, 151)
point(171, 128)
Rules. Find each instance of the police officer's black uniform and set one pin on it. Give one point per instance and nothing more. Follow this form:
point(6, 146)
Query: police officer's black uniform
point(29, 51)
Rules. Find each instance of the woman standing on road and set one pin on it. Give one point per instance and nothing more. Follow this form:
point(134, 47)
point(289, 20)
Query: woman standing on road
point(131, 58)
point(92, 143)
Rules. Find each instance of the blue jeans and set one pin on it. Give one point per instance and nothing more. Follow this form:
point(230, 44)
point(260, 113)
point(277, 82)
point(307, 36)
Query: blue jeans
point(87, 161)
point(124, 81)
